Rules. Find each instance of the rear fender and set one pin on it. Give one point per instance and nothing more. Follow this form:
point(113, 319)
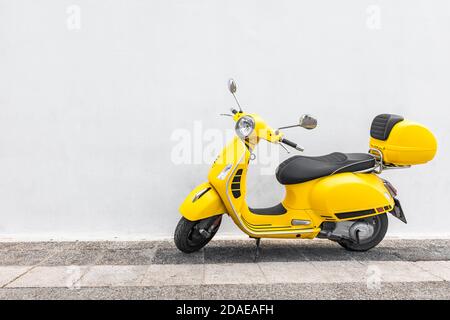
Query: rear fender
point(347, 196)
point(202, 202)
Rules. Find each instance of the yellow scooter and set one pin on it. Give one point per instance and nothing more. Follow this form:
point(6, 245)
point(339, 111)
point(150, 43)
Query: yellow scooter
point(338, 196)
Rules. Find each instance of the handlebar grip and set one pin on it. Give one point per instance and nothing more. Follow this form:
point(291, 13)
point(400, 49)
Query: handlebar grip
point(289, 143)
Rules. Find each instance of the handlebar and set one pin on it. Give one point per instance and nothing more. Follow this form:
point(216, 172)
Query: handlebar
point(291, 144)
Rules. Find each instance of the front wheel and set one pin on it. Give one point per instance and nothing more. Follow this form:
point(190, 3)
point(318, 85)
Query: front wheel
point(379, 226)
point(191, 236)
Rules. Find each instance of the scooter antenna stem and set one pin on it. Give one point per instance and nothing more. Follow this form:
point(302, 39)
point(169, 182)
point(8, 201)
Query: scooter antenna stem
point(240, 109)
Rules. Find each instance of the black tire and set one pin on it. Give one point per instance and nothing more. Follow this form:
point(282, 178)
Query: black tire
point(188, 239)
point(381, 226)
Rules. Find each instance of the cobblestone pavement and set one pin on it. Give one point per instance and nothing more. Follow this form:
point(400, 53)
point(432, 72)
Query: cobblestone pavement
point(225, 269)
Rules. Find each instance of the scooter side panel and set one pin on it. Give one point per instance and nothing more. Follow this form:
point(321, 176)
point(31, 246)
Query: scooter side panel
point(202, 202)
point(233, 159)
point(342, 196)
point(231, 186)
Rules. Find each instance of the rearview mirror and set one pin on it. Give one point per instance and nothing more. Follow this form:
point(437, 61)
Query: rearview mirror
point(232, 86)
point(307, 121)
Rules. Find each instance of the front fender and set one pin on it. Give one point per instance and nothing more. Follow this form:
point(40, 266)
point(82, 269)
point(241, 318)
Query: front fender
point(202, 202)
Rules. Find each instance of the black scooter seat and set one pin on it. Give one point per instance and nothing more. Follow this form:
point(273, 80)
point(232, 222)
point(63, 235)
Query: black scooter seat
point(299, 169)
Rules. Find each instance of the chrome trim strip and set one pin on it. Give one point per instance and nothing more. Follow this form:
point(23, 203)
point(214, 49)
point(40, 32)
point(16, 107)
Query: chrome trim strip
point(200, 193)
point(298, 222)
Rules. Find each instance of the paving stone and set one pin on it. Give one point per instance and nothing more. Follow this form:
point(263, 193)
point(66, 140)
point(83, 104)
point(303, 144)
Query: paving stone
point(233, 273)
point(104, 293)
point(127, 256)
point(280, 252)
point(115, 245)
point(329, 291)
point(43, 246)
point(325, 253)
point(23, 257)
point(422, 253)
point(342, 271)
point(399, 271)
point(113, 276)
point(74, 257)
point(160, 275)
point(4, 246)
point(439, 269)
point(175, 256)
point(230, 253)
point(58, 276)
point(291, 272)
point(9, 273)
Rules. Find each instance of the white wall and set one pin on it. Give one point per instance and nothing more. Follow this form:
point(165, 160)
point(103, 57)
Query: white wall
point(86, 115)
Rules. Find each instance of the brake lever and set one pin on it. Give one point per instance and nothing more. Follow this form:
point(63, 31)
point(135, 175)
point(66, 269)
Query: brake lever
point(286, 149)
point(233, 111)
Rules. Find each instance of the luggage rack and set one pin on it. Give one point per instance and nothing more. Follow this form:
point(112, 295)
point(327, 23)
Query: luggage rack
point(379, 165)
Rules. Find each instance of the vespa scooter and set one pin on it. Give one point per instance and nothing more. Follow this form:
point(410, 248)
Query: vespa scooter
point(338, 196)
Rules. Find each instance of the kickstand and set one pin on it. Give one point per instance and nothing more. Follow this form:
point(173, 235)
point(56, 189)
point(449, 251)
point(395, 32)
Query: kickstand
point(357, 236)
point(258, 241)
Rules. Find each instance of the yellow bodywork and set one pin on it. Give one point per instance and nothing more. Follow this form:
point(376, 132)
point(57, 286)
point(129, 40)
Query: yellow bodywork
point(408, 143)
point(315, 201)
point(340, 193)
point(207, 205)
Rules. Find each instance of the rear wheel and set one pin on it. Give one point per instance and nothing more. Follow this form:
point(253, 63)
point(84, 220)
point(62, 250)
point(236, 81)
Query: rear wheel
point(191, 236)
point(378, 225)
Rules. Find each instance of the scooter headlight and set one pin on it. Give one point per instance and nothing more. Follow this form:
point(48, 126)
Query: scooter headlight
point(245, 126)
